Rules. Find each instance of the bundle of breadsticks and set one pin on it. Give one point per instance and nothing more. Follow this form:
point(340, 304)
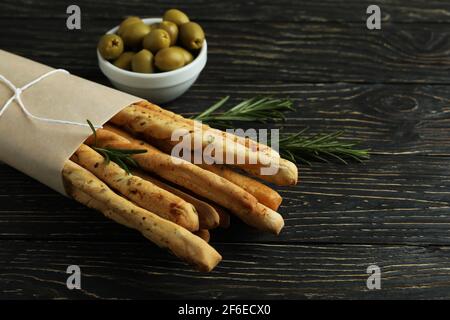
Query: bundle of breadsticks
point(175, 203)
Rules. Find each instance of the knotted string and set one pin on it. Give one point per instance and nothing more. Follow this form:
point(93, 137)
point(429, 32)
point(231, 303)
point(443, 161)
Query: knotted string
point(18, 98)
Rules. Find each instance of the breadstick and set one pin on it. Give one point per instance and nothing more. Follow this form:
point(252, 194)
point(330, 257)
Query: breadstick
point(163, 233)
point(207, 215)
point(287, 171)
point(140, 191)
point(199, 181)
point(273, 221)
point(210, 215)
point(287, 174)
point(249, 143)
point(258, 215)
point(153, 125)
point(180, 172)
point(204, 234)
point(263, 193)
point(159, 119)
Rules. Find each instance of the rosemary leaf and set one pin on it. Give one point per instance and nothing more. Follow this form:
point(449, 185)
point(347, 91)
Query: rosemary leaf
point(122, 164)
point(211, 109)
point(255, 109)
point(104, 154)
point(320, 147)
point(94, 132)
point(297, 147)
point(131, 162)
point(121, 157)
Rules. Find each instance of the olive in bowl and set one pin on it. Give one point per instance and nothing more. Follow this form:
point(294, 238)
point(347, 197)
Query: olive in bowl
point(176, 30)
point(176, 16)
point(191, 36)
point(158, 87)
point(110, 46)
point(156, 40)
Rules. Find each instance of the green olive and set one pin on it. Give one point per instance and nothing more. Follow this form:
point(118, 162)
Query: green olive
point(110, 46)
point(133, 34)
point(171, 28)
point(188, 57)
point(128, 22)
point(176, 16)
point(169, 59)
point(192, 36)
point(142, 62)
point(156, 40)
point(124, 61)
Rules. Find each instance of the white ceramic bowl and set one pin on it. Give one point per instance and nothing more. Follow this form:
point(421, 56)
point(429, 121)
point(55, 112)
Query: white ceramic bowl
point(156, 87)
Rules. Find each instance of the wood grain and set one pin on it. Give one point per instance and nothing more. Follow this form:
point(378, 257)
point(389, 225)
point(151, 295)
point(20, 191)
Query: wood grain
point(235, 10)
point(396, 199)
point(256, 271)
point(387, 88)
point(264, 52)
point(389, 119)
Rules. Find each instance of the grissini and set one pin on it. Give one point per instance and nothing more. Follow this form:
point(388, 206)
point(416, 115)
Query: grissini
point(142, 192)
point(210, 215)
point(249, 143)
point(163, 233)
point(263, 193)
point(90, 202)
point(140, 120)
point(178, 171)
point(207, 215)
point(287, 171)
point(193, 178)
point(204, 234)
point(287, 174)
point(272, 219)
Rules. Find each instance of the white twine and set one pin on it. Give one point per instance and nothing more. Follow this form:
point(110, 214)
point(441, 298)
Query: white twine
point(17, 97)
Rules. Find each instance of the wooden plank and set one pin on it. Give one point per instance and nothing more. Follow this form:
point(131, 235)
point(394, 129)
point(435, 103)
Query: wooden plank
point(392, 199)
point(389, 119)
point(264, 52)
point(392, 211)
point(235, 10)
point(250, 271)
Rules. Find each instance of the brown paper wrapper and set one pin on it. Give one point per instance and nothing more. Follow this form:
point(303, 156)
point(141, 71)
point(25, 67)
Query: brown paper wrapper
point(37, 148)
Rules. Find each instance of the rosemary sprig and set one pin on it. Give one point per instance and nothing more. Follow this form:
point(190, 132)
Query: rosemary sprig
point(297, 147)
point(120, 156)
point(256, 109)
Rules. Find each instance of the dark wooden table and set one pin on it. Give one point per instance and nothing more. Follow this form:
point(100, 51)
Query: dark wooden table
point(388, 88)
